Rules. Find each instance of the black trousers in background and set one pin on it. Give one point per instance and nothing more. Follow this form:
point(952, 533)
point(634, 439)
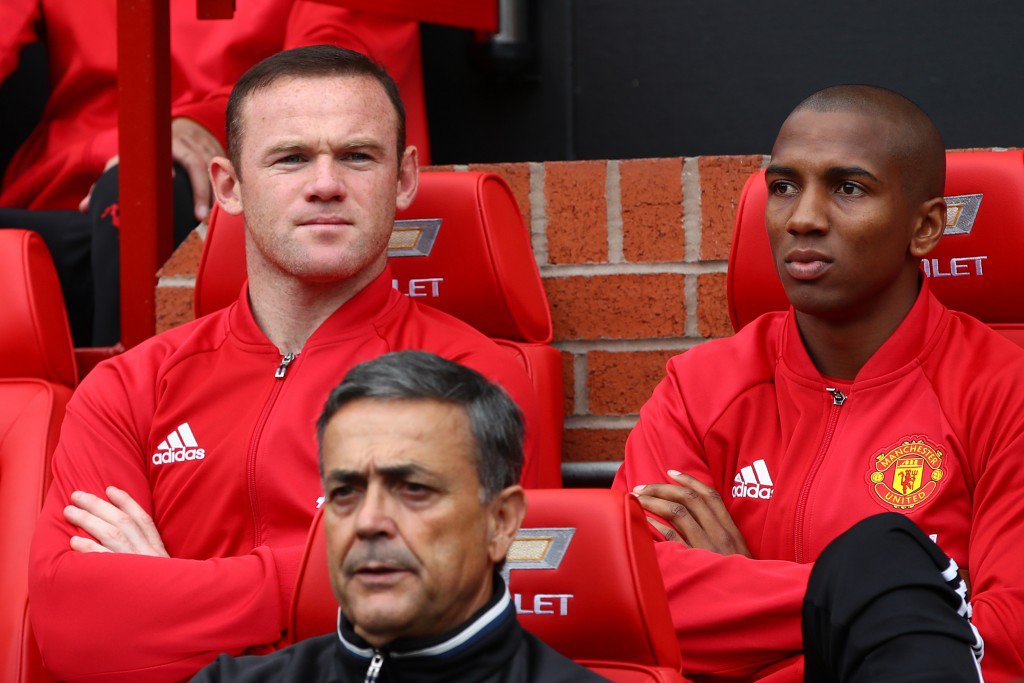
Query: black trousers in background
point(85, 249)
point(878, 608)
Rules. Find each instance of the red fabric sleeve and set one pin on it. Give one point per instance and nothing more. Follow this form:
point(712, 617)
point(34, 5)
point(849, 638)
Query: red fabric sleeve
point(734, 616)
point(18, 19)
point(997, 563)
point(127, 617)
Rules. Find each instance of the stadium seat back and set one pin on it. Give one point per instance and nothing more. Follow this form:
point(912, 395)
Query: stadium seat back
point(974, 268)
point(461, 247)
point(37, 375)
point(625, 672)
point(586, 581)
point(583, 575)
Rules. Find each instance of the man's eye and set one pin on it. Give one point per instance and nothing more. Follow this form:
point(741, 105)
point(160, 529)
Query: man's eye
point(850, 189)
point(412, 489)
point(340, 494)
point(783, 188)
point(290, 159)
point(358, 156)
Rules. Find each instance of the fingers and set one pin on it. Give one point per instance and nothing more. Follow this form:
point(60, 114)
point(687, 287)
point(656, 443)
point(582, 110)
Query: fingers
point(713, 501)
point(668, 532)
point(139, 517)
point(196, 171)
point(83, 205)
point(121, 528)
point(193, 147)
point(87, 545)
point(695, 511)
point(665, 501)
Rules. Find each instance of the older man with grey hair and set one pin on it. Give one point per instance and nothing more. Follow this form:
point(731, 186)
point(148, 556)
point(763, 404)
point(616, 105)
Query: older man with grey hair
point(419, 458)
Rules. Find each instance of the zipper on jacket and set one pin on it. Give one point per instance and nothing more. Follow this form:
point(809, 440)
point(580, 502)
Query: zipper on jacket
point(838, 399)
point(375, 665)
point(283, 367)
point(254, 442)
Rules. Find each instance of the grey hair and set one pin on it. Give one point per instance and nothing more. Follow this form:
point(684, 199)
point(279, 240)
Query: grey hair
point(494, 419)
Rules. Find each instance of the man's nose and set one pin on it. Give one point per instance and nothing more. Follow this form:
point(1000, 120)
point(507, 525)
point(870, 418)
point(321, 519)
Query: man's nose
point(375, 518)
point(327, 182)
point(810, 213)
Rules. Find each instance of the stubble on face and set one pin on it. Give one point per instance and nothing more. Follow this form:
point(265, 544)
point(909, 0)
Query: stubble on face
point(320, 182)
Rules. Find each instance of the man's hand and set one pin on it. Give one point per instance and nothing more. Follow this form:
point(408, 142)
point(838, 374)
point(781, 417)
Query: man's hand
point(696, 515)
point(117, 526)
point(83, 205)
point(193, 147)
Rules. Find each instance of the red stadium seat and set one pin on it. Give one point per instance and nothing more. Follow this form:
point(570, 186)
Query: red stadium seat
point(37, 375)
point(583, 575)
point(461, 247)
point(974, 269)
point(624, 672)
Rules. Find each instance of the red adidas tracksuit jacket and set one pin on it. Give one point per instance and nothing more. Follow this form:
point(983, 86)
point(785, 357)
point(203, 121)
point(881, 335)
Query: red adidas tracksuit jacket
point(932, 427)
point(77, 133)
point(198, 427)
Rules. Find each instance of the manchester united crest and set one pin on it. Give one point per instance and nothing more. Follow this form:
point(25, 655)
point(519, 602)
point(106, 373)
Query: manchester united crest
point(907, 473)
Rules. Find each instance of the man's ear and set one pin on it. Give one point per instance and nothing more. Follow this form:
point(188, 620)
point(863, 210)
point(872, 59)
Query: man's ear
point(506, 514)
point(408, 178)
point(931, 221)
point(226, 185)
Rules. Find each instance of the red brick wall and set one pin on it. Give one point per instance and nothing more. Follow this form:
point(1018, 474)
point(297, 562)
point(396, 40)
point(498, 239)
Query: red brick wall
point(633, 255)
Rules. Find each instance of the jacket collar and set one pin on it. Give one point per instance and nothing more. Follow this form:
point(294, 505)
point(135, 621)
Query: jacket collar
point(899, 353)
point(466, 636)
point(351, 319)
point(486, 642)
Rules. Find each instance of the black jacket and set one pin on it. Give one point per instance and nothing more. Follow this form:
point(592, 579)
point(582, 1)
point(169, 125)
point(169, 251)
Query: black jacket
point(490, 647)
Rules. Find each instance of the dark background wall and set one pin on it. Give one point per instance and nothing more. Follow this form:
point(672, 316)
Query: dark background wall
point(636, 78)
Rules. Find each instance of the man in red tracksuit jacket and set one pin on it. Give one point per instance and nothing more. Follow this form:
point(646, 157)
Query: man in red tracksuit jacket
point(867, 396)
point(186, 474)
point(45, 184)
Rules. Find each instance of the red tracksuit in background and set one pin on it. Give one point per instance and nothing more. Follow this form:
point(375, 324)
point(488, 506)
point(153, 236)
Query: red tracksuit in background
point(77, 134)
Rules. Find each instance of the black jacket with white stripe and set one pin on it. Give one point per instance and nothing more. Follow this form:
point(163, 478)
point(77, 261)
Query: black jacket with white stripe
point(490, 647)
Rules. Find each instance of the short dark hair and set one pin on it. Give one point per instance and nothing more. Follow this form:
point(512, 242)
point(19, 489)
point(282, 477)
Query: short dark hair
point(312, 61)
point(918, 144)
point(494, 419)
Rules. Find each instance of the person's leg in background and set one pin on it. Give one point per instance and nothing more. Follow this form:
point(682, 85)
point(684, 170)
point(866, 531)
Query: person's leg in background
point(882, 605)
point(104, 215)
point(68, 235)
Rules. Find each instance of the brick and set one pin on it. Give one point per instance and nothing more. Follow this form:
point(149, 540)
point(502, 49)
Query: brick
point(577, 217)
point(712, 306)
point(619, 383)
point(185, 259)
point(569, 382)
point(594, 445)
point(721, 181)
point(518, 178)
point(173, 307)
point(429, 169)
point(652, 209)
point(617, 306)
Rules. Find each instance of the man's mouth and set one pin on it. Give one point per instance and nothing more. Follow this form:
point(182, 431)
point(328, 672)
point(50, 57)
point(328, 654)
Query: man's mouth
point(380, 574)
point(806, 265)
point(324, 221)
